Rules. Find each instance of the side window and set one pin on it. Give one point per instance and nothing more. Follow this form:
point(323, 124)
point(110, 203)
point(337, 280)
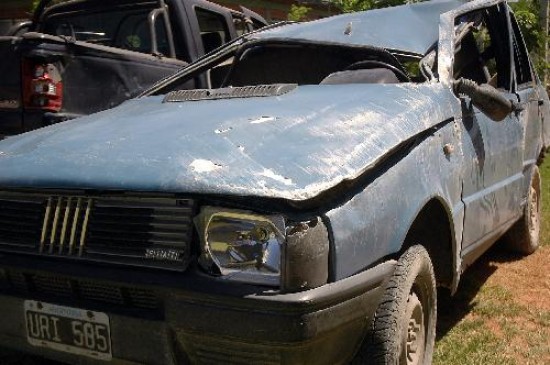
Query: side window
point(134, 34)
point(482, 48)
point(121, 28)
point(522, 67)
point(213, 28)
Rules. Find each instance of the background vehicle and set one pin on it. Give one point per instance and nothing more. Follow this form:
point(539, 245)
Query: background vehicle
point(81, 57)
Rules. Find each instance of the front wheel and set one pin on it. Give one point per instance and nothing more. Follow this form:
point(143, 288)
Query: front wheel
point(402, 331)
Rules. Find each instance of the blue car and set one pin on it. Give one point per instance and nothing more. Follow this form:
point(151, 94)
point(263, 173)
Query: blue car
point(300, 208)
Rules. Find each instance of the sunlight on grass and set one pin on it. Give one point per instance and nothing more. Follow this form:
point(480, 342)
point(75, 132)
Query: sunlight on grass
point(470, 343)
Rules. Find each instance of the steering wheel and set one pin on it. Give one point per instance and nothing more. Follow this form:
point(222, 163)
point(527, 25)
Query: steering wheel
point(401, 76)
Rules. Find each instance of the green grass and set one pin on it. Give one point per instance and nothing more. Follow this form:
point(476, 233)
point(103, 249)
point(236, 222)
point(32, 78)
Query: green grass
point(483, 323)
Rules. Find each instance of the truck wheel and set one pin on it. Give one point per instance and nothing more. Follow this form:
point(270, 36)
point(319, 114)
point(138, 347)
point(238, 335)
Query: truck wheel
point(523, 237)
point(402, 331)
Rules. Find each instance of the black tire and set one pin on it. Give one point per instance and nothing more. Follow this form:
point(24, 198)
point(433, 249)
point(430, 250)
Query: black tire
point(402, 331)
point(524, 235)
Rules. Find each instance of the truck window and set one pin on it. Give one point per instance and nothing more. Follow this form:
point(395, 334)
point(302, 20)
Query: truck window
point(213, 28)
point(127, 29)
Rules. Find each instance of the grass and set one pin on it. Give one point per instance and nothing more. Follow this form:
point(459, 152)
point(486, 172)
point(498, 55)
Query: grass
point(487, 322)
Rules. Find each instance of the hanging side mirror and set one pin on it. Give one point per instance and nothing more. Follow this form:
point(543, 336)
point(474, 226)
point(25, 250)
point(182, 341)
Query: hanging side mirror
point(485, 97)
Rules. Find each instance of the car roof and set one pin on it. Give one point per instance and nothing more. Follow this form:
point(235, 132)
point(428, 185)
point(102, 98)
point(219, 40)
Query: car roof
point(411, 28)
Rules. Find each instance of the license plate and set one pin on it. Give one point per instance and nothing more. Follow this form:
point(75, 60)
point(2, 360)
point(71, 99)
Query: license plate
point(68, 329)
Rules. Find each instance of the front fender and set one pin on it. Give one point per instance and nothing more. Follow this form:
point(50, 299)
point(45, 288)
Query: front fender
point(373, 225)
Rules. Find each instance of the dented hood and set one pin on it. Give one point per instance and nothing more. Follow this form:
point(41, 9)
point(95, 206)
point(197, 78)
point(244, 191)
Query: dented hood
point(293, 146)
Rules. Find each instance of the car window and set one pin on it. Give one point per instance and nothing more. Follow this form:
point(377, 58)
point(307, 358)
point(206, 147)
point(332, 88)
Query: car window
point(213, 28)
point(522, 67)
point(127, 29)
point(482, 48)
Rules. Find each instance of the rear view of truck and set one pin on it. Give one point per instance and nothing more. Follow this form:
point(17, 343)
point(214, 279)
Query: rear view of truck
point(80, 57)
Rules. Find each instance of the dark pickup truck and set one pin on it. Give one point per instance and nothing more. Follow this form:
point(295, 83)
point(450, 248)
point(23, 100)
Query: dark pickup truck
point(79, 57)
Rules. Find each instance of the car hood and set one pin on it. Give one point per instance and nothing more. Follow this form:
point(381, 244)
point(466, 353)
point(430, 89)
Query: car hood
point(292, 146)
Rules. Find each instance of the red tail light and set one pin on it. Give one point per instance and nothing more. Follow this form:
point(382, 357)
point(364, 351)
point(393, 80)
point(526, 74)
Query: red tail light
point(42, 86)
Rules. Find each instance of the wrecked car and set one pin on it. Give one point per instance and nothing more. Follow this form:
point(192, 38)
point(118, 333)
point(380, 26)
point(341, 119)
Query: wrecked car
point(301, 209)
point(80, 57)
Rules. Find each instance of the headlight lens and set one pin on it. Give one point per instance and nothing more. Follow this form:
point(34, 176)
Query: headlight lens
point(241, 245)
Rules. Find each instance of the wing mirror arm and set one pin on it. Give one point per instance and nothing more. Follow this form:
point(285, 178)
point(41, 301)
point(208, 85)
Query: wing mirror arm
point(488, 99)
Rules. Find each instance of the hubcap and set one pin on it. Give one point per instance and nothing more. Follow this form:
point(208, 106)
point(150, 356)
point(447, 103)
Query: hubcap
point(414, 338)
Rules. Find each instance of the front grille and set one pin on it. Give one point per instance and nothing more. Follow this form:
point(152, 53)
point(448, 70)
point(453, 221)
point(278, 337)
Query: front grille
point(80, 290)
point(154, 232)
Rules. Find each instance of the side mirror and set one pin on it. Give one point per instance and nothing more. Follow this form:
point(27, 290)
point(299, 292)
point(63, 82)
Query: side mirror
point(488, 99)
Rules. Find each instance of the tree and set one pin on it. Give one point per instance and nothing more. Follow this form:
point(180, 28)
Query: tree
point(527, 14)
point(298, 12)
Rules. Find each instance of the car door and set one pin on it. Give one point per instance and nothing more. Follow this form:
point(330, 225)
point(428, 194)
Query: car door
point(492, 176)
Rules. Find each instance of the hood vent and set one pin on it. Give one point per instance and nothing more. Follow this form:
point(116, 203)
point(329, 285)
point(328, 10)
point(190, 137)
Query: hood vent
point(229, 93)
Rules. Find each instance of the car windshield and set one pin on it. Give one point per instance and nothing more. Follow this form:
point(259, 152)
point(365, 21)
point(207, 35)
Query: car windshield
point(302, 63)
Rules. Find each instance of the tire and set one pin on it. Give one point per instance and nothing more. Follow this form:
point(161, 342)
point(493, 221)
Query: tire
point(523, 237)
point(402, 331)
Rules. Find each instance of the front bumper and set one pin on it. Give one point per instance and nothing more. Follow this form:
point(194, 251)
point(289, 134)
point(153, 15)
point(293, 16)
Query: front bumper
point(200, 320)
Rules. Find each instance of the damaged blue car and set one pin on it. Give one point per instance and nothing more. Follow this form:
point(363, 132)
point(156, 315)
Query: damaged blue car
point(301, 207)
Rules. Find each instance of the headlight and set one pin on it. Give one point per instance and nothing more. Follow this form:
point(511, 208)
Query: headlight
point(241, 246)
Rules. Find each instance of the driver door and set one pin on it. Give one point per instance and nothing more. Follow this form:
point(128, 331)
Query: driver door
point(492, 175)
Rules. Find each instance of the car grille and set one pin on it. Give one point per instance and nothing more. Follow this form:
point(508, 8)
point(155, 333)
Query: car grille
point(154, 232)
point(77, 289)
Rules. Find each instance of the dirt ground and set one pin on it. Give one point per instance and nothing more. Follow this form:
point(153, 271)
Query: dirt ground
point(528, 278)
point(500, 314)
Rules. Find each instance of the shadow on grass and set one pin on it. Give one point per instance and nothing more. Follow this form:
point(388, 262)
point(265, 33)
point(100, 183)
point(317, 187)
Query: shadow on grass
point(452, 309)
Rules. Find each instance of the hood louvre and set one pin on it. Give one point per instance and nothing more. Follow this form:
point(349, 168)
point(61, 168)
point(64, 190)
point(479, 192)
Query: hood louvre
point(229, 93)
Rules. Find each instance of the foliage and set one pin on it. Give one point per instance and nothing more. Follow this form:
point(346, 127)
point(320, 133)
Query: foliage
point(298, 12)
point(527, 15)
point(35, 3)
point(348, 6)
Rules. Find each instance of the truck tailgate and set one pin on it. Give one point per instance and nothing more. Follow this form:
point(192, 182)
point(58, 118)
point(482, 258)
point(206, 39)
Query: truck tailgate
point(97, 77)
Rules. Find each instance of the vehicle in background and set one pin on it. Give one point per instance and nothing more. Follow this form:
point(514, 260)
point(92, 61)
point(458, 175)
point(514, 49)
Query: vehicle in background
point(79, 57)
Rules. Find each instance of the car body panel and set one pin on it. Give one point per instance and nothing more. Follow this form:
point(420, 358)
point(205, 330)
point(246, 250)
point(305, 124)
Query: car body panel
point(257, 146)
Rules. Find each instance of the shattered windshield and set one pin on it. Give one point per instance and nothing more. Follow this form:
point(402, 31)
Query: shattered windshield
point(302, 63)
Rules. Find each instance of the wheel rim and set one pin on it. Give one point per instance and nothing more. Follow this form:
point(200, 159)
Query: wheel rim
point(534, 224)
point(414, 339)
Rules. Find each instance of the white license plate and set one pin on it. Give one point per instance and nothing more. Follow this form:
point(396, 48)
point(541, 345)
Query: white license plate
point(68, 329)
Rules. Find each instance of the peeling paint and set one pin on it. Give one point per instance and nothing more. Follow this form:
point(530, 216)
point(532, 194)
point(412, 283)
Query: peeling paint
point(262, 119)
point(223, 130)
point(272, 175)
point(201, 166)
